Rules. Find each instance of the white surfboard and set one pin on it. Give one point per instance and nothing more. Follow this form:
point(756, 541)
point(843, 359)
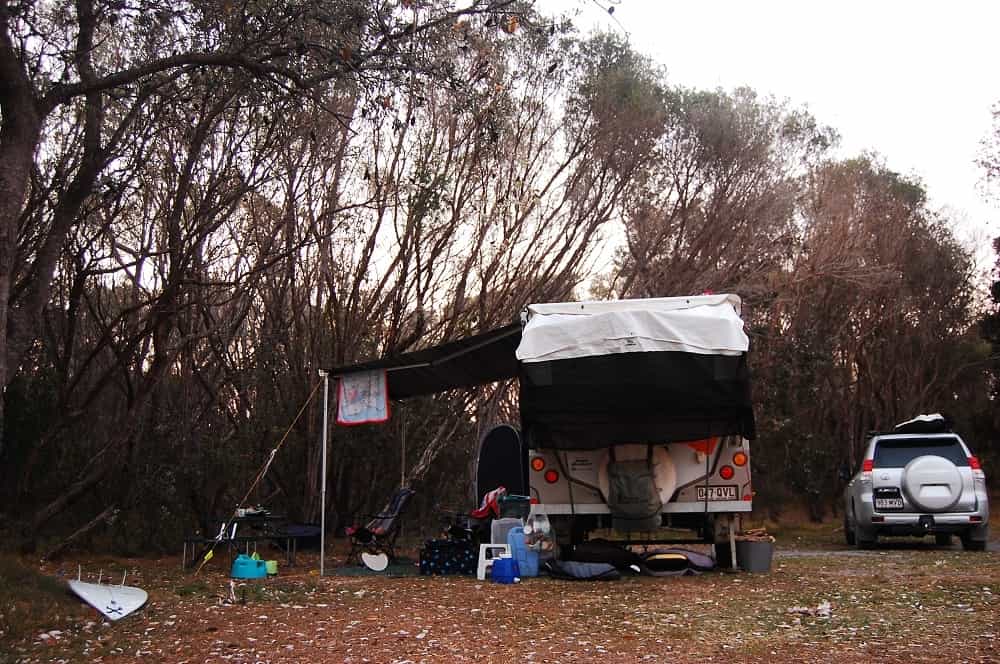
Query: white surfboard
point(114, 602)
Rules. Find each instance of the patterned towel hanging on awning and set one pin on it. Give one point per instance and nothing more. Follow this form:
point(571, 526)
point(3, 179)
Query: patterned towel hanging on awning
point(363, 398)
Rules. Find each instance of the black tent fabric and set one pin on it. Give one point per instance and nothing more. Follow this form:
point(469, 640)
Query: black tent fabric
point(476, 360)
point(588, 402)
point(502, 461)
point(592, 402)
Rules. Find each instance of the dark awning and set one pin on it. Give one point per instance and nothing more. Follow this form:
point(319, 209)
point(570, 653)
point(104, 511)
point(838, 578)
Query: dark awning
point(483, 358)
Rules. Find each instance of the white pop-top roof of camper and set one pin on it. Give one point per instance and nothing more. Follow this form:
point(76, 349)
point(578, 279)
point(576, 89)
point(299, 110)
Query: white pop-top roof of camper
point(702, 324)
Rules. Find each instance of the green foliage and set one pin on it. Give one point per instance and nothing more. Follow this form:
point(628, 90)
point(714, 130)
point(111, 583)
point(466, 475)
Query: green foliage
point(989, 156)
point(617, 96)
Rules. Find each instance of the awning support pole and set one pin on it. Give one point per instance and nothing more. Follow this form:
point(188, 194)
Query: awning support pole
point(402, 456)
point(322, 491)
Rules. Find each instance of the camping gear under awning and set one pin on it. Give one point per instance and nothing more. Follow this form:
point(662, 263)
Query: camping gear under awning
point(476, 360)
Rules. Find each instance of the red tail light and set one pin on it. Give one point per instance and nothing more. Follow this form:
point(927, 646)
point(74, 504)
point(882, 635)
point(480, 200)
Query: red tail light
point(868, 465)
point(551, 476)
point(537, 463)
point(974, 463)
point(726, 472)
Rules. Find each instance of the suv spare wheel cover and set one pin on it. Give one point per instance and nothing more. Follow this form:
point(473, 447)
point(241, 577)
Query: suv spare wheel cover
point(932, 483)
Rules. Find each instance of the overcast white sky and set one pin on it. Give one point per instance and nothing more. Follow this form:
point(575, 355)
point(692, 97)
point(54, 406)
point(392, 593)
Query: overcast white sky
point(913, 81)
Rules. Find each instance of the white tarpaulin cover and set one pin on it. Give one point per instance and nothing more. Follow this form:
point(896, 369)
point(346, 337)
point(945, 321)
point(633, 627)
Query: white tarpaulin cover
point(703, 324)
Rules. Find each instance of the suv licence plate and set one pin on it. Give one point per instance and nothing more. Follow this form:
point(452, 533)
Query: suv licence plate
point(727, 492)
point(888, 499)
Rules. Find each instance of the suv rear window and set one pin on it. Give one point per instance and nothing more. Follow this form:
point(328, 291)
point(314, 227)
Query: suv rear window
point(896, 453)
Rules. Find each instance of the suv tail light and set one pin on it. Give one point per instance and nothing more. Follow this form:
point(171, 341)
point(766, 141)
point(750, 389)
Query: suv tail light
point(977, 469)
point(868, 465)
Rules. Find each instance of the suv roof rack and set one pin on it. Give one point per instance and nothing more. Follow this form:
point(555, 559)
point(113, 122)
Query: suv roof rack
point(872, 434)
point(923, 424)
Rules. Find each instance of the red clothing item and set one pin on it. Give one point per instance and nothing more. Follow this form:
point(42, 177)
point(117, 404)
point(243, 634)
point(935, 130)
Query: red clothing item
point(491, 503)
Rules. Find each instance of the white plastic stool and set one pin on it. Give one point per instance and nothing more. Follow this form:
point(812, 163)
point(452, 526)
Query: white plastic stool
point(487, 554)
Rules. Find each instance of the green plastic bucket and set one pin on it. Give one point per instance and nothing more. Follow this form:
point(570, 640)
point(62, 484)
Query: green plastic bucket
point(272, 567)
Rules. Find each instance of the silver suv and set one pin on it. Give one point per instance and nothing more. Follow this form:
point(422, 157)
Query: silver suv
point(920, 479)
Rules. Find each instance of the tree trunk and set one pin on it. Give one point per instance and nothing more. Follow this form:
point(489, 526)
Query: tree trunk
point(19, 136)
point(107, 514)
point(434, 447)
point(112, 453)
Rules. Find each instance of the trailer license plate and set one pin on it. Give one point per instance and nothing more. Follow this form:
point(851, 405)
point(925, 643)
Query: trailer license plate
point(727, 492)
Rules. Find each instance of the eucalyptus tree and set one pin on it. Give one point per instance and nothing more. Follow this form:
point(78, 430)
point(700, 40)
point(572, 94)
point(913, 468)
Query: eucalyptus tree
point(989, 154)
point(153, 275)
point(73, 64)
point(447, 211)
point(716, 210)
point(868, 325)
point(989, 162)
point(131, 135)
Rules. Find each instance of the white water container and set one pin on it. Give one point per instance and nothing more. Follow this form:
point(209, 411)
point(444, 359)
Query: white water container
point(500, 528)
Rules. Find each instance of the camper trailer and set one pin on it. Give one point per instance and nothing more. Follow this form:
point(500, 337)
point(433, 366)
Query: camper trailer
point(637, 416)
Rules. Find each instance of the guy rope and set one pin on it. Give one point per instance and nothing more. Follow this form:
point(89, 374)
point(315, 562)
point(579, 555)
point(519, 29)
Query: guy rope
point(260, 475)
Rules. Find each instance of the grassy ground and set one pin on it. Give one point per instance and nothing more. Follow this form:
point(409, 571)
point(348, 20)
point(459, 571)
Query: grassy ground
point(822, 601)
point(29, 599)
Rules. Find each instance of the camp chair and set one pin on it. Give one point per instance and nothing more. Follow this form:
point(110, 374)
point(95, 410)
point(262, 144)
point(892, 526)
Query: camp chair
point(379, 534)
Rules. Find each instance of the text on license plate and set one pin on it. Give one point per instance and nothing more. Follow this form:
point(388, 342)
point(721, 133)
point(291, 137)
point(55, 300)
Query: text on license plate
point(888, 503)
point(727, 492)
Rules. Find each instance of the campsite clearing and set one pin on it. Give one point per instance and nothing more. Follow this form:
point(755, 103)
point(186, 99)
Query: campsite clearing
point(821, 602)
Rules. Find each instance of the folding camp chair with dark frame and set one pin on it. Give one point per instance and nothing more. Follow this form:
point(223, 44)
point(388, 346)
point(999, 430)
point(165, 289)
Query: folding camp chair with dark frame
point(380, 533)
